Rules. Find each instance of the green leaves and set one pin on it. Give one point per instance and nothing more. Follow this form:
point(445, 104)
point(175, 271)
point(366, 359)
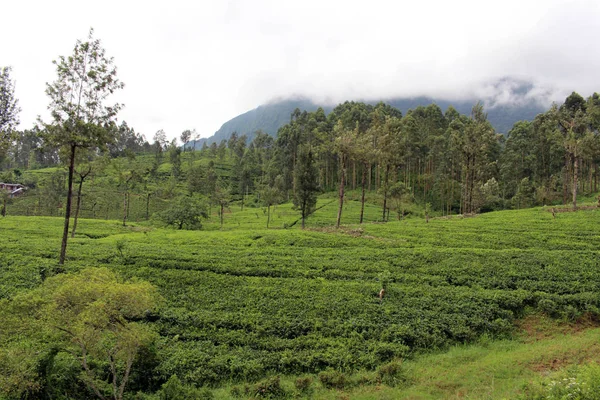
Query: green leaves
point(185, 212)
point(88, 316)
point(84, 82)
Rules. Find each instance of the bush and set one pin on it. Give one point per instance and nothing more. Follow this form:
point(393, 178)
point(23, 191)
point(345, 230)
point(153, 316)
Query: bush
point(303, 384)
point(185, 212)
point(581, 382)
point(239, 392)
point(269, 388)
point(548, 307)
point(332, 379)
point(392, 373)
point(174, 389)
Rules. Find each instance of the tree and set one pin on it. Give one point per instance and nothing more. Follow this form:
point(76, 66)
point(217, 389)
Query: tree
point(344, 145)
point(9, 110)
point(271, 195)
point(5, 196)
point(220, 195)
point(306, 184)
point(82, 173)
point(185, 212)
point(185, 137)
point(175, 158)
point(574, 124)
point(89, 317)
point(475, 141)
point(160, 144)
point(222, 149)
point(127, 176)
point(401, 196)
point(78, 98)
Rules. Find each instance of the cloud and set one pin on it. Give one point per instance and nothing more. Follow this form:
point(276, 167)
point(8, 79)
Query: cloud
point(197, 64)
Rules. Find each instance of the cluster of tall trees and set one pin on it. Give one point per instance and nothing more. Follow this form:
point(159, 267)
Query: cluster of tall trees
point(439, 159)
point(454, 163)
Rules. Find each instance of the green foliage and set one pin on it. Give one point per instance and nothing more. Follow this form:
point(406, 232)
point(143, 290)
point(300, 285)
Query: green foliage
point(86, 317)
point(385, 278)
point(305, 184)
point(174, 389)
point(9, 110)
point(303, 384)
point(269, 388)
point(332, 379)
point(247, 302)
point(581, 383)
point(392, 373)
point(185, 212)
point(77, 98)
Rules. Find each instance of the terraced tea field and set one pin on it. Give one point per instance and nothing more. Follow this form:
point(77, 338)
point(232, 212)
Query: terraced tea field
point(249, 302)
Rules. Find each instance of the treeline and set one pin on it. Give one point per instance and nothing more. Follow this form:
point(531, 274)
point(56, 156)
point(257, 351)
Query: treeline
point(452, 162)
point(447, 162)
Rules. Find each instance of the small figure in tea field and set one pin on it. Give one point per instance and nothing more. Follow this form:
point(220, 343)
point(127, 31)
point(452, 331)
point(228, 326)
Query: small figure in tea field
point(554, 212)
point(384, 278)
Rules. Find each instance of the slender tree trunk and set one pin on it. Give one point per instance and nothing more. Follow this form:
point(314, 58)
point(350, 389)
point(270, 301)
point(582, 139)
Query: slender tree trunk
point(326, 172)
point(63, 247)
point(566, 178)
point(362, 199)
point(303, 212)
point(148, 203)
point(353, 175)
point(124, 208)
point(590, 177)
point(385, 188)
point(268, 215)
point(222, 210)
point(595, 177)
point(77, 208)
point(575, 169)
point(342, 178)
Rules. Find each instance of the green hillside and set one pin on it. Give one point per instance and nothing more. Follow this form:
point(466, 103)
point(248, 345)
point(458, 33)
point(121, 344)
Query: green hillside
point(245, 303)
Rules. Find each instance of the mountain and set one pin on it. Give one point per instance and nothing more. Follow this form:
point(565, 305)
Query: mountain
point(270, 117)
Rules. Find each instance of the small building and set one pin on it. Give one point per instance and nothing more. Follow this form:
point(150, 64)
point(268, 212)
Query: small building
point(13, 189)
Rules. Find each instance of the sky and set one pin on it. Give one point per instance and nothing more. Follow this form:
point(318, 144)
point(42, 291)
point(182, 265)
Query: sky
point(197, 64)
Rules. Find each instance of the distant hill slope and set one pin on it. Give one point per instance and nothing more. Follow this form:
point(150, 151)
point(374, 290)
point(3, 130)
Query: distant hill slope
point(270, 117)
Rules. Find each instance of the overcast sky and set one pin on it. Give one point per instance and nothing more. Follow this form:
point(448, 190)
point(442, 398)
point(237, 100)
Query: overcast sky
point(197, 64)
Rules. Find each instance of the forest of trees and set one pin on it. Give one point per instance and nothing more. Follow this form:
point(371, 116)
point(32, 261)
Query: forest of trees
point(453, 162)
point(441, 160)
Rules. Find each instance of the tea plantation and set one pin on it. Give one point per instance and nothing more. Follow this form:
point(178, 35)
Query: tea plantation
point(246, 302)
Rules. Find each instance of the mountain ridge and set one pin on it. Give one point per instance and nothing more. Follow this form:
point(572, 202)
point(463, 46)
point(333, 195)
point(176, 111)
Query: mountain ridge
point(271, 116)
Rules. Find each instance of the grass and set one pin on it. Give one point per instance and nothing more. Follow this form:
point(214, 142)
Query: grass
point(488, 369)
point(247, 302)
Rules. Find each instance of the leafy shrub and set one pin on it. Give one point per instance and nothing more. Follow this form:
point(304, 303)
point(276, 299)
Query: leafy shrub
point(185, 212)
point(240, 391)
point(174, 389)
point(549, 307)
point(392, 373)
point(269, 388)
point(332, 379)
point(366, 380)
point(581, 383)
point(303, 384)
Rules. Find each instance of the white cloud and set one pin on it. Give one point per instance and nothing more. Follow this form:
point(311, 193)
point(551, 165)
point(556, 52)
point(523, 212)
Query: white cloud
point(193, 64)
